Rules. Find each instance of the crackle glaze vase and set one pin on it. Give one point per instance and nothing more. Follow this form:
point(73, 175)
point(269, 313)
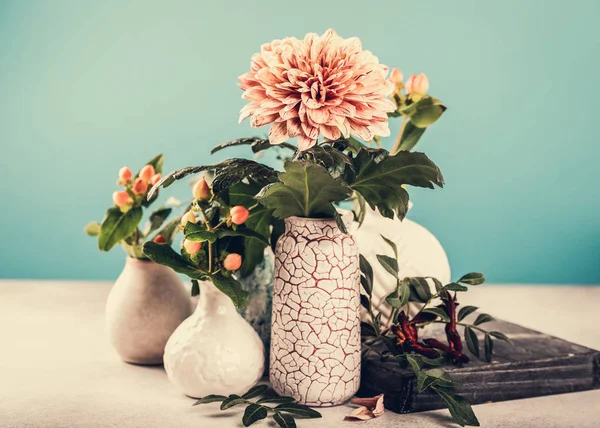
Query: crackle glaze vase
point(215, 351)
point(315, 333)
point(146, 304)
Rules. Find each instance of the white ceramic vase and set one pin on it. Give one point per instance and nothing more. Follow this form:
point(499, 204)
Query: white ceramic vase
point(146, 304)
point(419, 253)
point(315, 333)
point(215, 351)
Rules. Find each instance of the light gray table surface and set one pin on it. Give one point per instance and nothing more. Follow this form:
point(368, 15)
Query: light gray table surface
point(58, 370)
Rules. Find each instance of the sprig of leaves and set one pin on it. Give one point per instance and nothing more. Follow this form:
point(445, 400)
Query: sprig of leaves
point(285, 412)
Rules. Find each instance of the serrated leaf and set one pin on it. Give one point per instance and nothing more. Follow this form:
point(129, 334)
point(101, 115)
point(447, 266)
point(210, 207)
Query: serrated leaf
point(483, 318)
point(256, 144)
point(465, 311)
point(253, 413)
point(212, 398)
point(380, 177)
point(305, 190)
point(284, 420)
point(392, 245)
point(276, 400)
point(472, 341)
point(439, 312)
point(117, 226)
point(298, 410)
point(255, 391)
point(390, 264)
point(488, 345)
point(459, 408)
point(367, 271)
point(473, 278)
point(232, 400)
point(329, 157)
point(410, 136)
point(501, 336)
point(92, 228)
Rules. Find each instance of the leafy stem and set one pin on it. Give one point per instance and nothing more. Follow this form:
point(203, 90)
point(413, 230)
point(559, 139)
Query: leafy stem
point(399, 137)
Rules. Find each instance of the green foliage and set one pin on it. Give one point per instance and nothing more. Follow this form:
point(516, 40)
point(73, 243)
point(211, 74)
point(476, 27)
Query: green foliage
point(472, 341)
point(390, 264)
point(305, 190)
point(117, 226)
point(410, 137)
point(460, 409)
point(473, 278)
point(330, 158)
point(92, 228)
point(483, 318)
point(284, 413)
point(465, 311)
point(156, 220)
point(425, 112)
point(256, 144)
point(367, 275)
point(379, 178)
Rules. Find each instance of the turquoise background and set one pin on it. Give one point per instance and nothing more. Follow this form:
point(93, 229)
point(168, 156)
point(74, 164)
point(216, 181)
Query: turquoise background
point(86, 87)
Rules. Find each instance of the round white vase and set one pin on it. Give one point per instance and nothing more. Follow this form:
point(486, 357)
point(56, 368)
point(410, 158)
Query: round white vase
point(215, 351)
point(419, 253)
point(315, 333)
point(146, 304)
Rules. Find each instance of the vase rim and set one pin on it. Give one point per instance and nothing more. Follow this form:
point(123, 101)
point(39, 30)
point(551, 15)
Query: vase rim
point(342, 212)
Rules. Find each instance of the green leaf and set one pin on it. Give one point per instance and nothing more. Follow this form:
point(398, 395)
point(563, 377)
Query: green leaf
point(488, 346)
point(255, 391)
point(92, 228)
point(170, 229)
point(244, 232)
point(195, 287)
point(117, 226)
point(305, 190)
point(284, 420)
point(433, 377)
point(253, 413)
point(232, 400)
point(210, 399)
point(473, 278)
point(333, 160)
point(364, 301)
point(410, 136)
point(439, 312)
point(460, 409)
point(453, 286)
point(233, 289)
point(156, 220)
point(390, 264)
point(420, 290)
point(483, 318)
point(391, 244)
point(298, 410)
point(501, 336)
point(339, 221)
point(380, 177)
point(426, 112)
point(367, 272)
point(404, 292)
point(466, 311)
point(197, 232)
point(472, 341)
point(276, 400)
point(165, 255)
point(256, 144)
point(393, 299)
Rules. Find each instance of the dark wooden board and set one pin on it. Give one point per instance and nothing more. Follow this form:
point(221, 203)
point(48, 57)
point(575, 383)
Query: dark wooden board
point(537, 365)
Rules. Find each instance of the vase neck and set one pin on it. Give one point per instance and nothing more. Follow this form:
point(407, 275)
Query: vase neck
point(212, 300)
point(310, 226)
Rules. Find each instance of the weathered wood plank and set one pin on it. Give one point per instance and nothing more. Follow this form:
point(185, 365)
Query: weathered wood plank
point(537, 365)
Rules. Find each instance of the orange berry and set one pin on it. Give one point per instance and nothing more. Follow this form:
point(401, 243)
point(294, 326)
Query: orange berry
point(239, 214)
point(232, 262)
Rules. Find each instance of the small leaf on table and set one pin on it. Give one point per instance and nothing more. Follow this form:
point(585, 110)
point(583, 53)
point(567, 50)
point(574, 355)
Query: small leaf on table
point(255, 391)
point(284, 420)
point(253, 413)
point(460, 409)
point(210, 399)
point(298, 410)
point(276, 400)
point(232, 400)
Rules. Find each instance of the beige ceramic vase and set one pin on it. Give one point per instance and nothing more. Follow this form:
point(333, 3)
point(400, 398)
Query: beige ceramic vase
point(146, 304)
point(315, 332)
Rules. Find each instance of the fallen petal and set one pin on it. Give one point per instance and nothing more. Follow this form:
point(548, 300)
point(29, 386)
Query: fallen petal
point(360, 414)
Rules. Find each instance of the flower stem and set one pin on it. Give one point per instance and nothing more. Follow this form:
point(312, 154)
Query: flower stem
point(399, 137)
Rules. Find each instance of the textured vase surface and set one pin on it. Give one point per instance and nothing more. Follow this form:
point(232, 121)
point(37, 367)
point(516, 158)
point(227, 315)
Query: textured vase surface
point(145, 305)
point(215, 351)
point(315, 334)
point(419, 253)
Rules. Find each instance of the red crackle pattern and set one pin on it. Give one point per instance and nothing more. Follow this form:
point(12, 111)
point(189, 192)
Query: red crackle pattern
point(315, 335)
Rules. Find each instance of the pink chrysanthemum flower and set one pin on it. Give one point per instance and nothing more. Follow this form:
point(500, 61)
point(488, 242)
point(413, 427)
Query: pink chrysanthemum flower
point(322, 85)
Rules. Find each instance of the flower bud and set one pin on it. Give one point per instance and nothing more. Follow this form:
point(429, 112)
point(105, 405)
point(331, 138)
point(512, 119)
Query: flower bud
point(159, 239)
point(191, 247)
point(201, 191)
point(188, 217)
point(125, 175)
point(122, 198)
point(146, 173)
point(139, 186)
point(232, 262)
point(417, 85)
point(396, 77)
point(239, 214)
point(155, 179)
